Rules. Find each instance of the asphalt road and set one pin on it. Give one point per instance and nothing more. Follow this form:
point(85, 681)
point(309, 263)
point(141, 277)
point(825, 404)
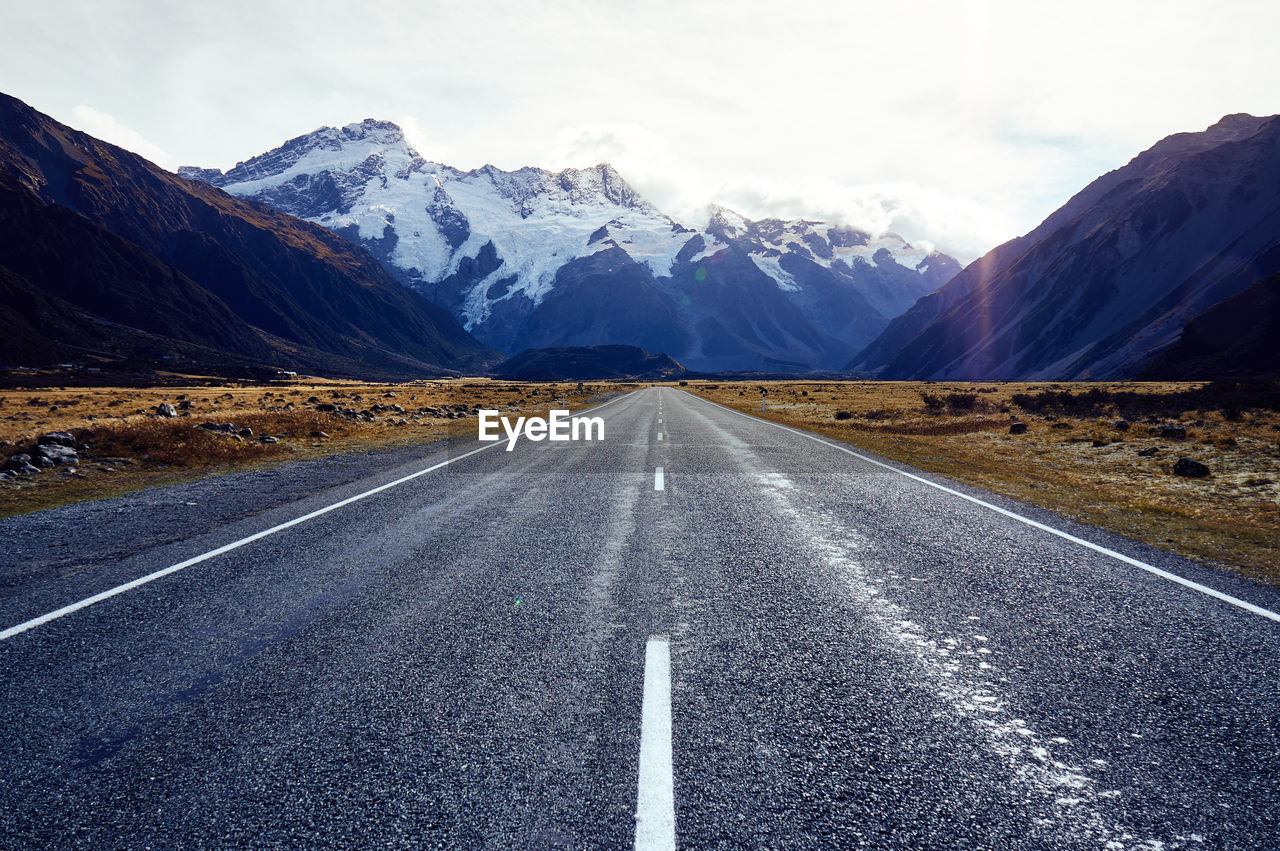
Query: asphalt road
point(773, 644)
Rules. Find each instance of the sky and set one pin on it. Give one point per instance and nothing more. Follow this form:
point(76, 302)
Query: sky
point(956, 124)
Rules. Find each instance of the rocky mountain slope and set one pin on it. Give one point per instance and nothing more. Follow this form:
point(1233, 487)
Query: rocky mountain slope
point(107, 255)
point(1110, 279)
point(534, 259)
point(1239, 337)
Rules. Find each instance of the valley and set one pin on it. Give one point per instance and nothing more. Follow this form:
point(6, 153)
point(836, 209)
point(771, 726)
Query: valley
point(1094, 452)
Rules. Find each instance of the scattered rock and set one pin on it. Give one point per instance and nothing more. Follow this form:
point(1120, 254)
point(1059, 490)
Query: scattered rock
point(1017, 428)
point(58, 438)
point(320, 434)
point(184, 405)
point(20, 463)
point(1172, 432)
point(245, 432)
point(56, 454)
point(1149, 452)
point(326, 407)
point(1120, 425)
point(1190, 468)
point(266, 438)
point(164, 409)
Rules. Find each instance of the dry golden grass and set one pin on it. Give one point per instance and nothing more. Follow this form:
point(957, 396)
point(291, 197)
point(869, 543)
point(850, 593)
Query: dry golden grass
point(131, 448)
point(1080, 466)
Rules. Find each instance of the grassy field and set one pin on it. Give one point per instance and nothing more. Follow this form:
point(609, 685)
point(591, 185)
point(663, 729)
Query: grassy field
point(1075, 457)
point(129, 446)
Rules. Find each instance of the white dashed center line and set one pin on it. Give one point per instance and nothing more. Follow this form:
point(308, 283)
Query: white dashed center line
point(659, 483)
point(656, 798)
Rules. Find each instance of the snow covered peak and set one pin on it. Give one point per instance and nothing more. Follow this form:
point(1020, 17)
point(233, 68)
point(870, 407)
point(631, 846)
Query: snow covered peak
point(326, 149)
point(725, 223)
point(821, 242)
point(380, 132)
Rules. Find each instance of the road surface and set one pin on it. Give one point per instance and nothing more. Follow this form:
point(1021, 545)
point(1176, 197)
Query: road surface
point(705, 631)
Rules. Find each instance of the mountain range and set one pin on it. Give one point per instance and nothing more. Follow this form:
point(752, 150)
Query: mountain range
point(1111, 280)
point(105, 256)
point(533, 259)
point(345, 252)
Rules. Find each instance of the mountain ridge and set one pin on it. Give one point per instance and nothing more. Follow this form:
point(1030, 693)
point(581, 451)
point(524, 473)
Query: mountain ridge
point(1110, 278)
point(269, 287)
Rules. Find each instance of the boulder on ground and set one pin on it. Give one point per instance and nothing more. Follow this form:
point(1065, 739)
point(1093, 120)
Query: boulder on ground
point(1017, 428)
point(59, 438)
point(56, 454)
point(164, 409)
point(1190, 468)
point(1173, 432)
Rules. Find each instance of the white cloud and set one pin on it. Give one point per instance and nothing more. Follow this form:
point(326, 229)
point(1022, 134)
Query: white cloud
point(969, 120)
point(107, 128)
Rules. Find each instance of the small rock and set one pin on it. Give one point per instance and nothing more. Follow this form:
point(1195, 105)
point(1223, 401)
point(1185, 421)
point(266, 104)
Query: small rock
point(1190, 468)
point(1018, 428)
point(326, 407)
point(1120, 425)
point(1148, 452)
point(164, 409)
point(184, 405)
point(245, 432)
point(319, 434)
point(266, 438)
point(1173, 432)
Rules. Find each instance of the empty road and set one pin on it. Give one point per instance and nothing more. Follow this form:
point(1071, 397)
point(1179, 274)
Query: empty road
point(704, 631)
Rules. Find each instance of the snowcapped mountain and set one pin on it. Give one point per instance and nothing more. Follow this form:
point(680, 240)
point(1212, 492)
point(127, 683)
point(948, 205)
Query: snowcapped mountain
point(531, 258)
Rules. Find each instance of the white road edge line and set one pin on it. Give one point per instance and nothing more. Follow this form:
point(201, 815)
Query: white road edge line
point(659, 481)
point(1149, 568)
point(159, 574)
point(656, 796)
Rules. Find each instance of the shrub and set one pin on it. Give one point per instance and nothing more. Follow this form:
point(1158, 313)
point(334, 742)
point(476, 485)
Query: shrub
point(962, 402)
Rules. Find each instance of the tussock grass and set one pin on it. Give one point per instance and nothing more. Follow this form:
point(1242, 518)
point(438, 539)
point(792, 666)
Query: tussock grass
point(131, 448)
